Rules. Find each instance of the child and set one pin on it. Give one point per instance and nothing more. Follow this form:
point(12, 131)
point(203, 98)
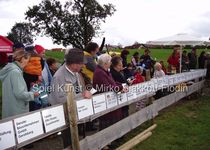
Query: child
point(138, 78)
point(158, 71)
point(128, 71)
point(163, 67)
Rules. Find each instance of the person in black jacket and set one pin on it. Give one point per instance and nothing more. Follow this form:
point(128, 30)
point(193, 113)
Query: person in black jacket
point(117, 74)
point(124, 55)
point(129, 71)
point(201, 60)
point(192, 58)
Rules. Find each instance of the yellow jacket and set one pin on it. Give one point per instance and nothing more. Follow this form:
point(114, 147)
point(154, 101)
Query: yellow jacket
point(89, 68)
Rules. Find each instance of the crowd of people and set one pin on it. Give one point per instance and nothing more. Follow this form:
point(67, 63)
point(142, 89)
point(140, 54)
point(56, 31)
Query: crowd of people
point(29, 71)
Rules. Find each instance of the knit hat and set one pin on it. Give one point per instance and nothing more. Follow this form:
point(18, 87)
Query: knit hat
point(75, 56)
point(29, 48)
point(18, 45)
point(39, 49)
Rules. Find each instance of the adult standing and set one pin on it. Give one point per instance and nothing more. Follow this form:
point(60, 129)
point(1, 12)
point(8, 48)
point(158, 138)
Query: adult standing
point(90, 56)
point(185, 61)
point(202, 60)
point(33, 73)
point(68, 73)
point(124, 55)
point(193, 58)
point(173, 60)
point(15, 96)
point(116, 71)
point(103, 82)
point(135, 59)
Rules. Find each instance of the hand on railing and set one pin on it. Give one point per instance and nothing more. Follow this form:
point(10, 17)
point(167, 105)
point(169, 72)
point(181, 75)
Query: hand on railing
point(87, 94)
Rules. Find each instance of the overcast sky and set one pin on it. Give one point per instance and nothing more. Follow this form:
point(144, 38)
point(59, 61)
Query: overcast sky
point(134, 20)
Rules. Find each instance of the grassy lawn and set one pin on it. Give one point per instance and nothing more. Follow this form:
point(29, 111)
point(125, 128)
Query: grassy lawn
point(184, 126)
point(159, 54)
point(59, 56)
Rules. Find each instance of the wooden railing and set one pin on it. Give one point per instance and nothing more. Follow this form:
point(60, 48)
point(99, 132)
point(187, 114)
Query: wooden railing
point(20, 130)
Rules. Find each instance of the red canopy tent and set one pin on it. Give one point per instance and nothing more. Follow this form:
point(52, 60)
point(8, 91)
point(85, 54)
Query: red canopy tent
point(5, 44)
point(5, 47)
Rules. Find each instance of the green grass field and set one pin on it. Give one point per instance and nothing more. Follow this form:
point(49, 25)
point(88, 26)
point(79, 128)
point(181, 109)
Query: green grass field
point(158, 54)
point(183, 126)
point(59, 56)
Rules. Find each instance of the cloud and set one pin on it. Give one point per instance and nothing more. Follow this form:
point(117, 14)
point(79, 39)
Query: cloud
point(201, 26)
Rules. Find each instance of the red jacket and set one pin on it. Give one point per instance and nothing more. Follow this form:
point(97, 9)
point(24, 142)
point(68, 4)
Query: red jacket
point(174, 61)
point(138, 78)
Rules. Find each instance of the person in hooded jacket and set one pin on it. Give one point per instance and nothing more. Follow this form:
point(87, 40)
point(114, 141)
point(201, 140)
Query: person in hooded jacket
point(15, 96)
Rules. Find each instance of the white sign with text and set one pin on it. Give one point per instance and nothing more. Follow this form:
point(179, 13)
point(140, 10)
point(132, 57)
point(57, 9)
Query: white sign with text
point(28, 127)
point(142, 89)
point(131, 94)
point(53, 118)
point(171, 80)
point(84, 108)
point(111, 99)
point(99, 103)
point(122, 98)
point(7, 135)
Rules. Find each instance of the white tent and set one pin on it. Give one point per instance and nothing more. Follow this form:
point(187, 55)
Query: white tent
point(207, 43)
point(181, 39)
point(178, 39)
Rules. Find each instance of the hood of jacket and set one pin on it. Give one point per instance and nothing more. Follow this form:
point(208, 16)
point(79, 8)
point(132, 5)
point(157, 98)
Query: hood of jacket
point(5, 71)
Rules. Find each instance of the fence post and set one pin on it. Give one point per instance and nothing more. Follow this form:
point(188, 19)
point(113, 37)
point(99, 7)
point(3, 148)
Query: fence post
point(72, 113)
point(148, 77)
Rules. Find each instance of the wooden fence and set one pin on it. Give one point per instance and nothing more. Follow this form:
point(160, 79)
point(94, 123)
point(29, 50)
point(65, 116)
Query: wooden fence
point(20, 130)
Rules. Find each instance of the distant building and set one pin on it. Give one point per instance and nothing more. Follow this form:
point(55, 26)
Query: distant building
point(58, 50)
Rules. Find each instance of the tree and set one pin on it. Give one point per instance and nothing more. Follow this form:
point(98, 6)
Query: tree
point(21, 32)
point(76, 22)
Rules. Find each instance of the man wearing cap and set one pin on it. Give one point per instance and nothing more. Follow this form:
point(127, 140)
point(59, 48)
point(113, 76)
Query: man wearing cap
point(68, 73)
